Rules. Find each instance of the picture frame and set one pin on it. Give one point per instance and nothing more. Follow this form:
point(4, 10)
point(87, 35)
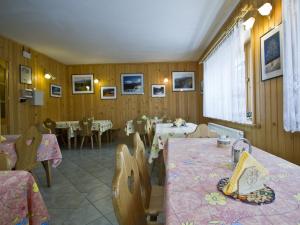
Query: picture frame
point(183, 81)
point(158, 90)
point(83, 83)
point(271, 45)
point(55, 90)
point(25, 74)
point(108, 92)
point(132, 83)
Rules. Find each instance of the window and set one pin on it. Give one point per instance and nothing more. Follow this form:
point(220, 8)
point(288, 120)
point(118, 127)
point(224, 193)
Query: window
point(291, 65)
point(228, 79)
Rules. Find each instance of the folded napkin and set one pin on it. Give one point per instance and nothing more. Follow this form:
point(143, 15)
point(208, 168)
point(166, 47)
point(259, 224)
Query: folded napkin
point(2, 139)
point(248, 176)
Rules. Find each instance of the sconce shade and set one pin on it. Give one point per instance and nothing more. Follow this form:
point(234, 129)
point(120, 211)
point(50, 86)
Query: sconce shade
point(265, 9)
point(48, 76)
point(166, 80)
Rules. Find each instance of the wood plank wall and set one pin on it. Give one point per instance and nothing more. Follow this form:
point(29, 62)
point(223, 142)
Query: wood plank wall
point(268, 133)
point(22, 115)
point(126, 107)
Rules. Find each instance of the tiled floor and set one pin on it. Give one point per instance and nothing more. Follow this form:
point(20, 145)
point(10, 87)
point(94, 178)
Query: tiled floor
point(81, 190)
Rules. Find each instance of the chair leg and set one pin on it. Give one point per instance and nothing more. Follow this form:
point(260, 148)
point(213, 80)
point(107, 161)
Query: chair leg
point(82, 140)
point(92, 142)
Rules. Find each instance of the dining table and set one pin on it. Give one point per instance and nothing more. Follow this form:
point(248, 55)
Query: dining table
point(163, 132)
point(48, 153)
point(21, 202)
point(129, 127)
point(100, 126)
point(194, 167)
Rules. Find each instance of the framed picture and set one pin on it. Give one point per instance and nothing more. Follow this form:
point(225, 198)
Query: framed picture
point(55, 90)
point(183, 81)
point(132, 84)
point(158, 90)
point(83, 84)
point(25, 75)
point(108, 92)
point(271, 53)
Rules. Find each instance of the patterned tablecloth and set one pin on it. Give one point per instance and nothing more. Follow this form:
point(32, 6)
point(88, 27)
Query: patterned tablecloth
point(48, 149)
point(129, 128)
point(193, 169)
point(165, 131)
point(98, 125)
point(20, 200)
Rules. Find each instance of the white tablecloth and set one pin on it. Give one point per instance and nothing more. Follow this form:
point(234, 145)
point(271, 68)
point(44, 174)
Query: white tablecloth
point(163, 132)
point(98, 125)
point(129, 128)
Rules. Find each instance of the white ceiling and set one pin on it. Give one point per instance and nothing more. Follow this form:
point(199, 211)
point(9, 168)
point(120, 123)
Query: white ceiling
point(114, 31)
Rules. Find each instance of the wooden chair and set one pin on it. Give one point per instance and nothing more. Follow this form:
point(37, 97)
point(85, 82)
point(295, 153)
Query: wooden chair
point(26, 148)
point(86, 131)
point(202, 131)
point(42, 129)
point(50, 124)
point(152, 195)
point(5, 162)
point(149, 132)
point(126, 196)
point(140, 127)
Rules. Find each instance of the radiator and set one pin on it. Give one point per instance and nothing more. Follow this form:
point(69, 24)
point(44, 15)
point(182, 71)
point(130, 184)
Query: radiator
point(222, 130)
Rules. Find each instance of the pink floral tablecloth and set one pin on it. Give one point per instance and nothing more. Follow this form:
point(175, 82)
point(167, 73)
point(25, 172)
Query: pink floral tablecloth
point(193, 169)
point(20, 200)
point(48, 149)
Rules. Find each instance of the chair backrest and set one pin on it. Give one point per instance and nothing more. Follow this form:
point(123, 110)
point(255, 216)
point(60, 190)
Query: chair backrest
point(5, 162)
point(26, 148)
point(50, 124)
point(86, 127)
point(42, 129)
point(149, 131)
point(140, 126)
point(202, 131)
point(126, 196)
point(139, 155)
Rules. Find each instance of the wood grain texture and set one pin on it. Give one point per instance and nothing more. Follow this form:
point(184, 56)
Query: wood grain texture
point(23, 115)
point(127, 107)
point(268, 133)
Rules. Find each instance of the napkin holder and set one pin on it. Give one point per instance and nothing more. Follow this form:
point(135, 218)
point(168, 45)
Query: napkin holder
point(236, 151)
point(223, 142)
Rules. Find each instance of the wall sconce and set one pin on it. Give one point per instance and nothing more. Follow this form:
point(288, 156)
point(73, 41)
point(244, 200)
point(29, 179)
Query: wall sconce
point(166, 80)
point(249, 23)
point(265, 9)
point(48, 76)
point(96, 81)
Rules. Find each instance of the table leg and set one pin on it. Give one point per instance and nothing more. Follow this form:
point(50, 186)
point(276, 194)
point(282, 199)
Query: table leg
point(69, 142)
point(107, 136)
point(47, 167)
point(99, 139)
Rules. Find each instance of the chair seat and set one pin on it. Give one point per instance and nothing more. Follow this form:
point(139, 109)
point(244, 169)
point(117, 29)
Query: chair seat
point(157, 191)
point(156, 205)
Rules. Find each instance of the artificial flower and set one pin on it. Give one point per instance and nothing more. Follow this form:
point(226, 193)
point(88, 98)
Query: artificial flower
point(215, 198)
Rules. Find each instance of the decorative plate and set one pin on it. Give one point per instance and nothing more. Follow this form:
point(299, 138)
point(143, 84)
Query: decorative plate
point(265, 195)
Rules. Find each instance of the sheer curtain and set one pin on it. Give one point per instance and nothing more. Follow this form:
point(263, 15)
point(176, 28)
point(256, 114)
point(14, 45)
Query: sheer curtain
point(224, 79)
point(291, 65)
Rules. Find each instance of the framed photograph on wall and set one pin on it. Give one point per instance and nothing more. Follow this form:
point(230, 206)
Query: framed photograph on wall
point(25, 75)
point(83, 83)
point(55, 90)
point(183, 81)
point(271, 53)
point(158, 90)
point(132, 84)
point(108, 92)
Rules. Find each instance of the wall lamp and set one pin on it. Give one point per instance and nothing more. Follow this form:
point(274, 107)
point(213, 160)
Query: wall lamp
point(166, 80)
point(96, 81)
point(264, 10)
point(49, 76)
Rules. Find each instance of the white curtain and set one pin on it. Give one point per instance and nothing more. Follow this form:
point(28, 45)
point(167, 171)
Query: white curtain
point(291, 64)
point(224, 79)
